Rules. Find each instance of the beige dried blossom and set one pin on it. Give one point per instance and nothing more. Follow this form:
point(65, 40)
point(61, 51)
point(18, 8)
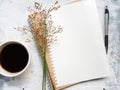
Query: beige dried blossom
point(42, 26)
point(45, 33)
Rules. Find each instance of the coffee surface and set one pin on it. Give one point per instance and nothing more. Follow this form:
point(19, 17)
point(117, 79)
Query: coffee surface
point(14, 57)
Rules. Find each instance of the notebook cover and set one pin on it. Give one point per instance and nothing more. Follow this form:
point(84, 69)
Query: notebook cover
point(79, 54)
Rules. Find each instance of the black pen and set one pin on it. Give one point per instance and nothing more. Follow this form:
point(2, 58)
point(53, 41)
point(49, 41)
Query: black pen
point(106, 28)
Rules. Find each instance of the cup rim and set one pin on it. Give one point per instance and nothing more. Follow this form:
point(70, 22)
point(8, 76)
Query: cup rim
point(6, 73)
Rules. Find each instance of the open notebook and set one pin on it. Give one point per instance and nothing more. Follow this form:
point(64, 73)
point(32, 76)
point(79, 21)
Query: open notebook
point(79, 54)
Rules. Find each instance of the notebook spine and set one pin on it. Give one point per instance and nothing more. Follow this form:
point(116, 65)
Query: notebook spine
point(51, 67)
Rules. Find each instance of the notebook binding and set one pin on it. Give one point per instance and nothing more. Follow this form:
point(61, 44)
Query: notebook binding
point(51, 66)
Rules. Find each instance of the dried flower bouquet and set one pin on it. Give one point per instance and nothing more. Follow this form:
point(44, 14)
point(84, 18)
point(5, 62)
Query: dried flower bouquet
point(45, 33)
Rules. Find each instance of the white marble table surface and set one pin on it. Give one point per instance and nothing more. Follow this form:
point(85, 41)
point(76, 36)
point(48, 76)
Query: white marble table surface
point(13, 13)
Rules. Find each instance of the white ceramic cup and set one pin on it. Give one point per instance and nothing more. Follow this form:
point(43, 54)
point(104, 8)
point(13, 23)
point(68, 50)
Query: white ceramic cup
point(6, 72)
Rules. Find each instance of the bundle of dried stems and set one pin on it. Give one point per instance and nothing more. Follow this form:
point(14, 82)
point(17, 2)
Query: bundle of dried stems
point(44, 33)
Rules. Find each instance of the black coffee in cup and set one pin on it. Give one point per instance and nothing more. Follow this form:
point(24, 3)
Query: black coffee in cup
point(14, 57)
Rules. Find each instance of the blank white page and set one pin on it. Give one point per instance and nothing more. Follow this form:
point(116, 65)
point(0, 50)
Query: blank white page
point(79, 53)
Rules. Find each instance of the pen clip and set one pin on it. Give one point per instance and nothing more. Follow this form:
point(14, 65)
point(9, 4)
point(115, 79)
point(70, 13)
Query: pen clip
point(107, 12)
